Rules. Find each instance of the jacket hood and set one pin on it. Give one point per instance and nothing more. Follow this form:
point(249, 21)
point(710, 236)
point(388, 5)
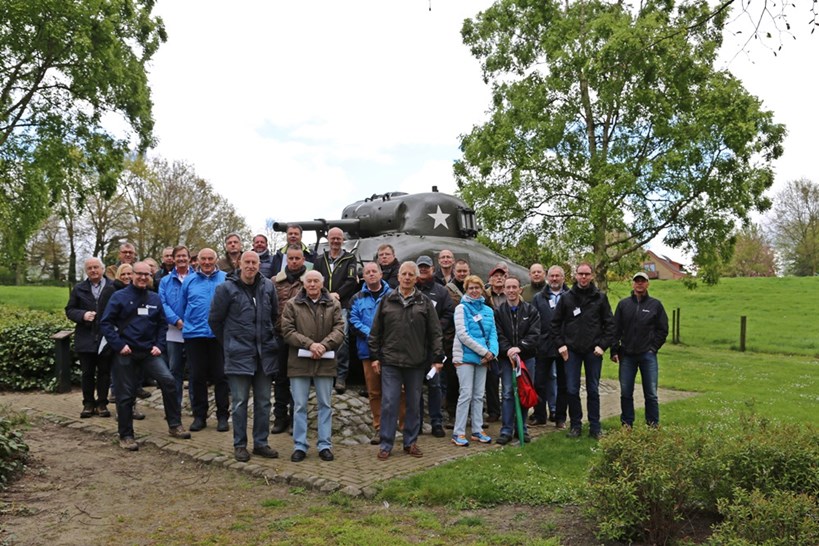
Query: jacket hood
point(384, 286)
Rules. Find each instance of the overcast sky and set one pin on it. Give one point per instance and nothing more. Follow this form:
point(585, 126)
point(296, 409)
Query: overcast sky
point(294, 110)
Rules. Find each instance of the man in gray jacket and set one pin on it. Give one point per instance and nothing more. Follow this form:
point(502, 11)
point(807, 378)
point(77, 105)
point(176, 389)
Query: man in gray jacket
point(242, 316)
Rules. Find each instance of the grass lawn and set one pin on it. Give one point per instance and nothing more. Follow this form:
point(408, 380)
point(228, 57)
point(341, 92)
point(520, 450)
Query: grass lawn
point(45, 298)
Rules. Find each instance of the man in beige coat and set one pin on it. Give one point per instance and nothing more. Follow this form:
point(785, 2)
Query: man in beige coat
point(313, 328)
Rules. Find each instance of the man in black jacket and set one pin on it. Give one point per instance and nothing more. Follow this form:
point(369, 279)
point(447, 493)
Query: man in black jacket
point(445, 309)
point(583, 328)
point(518, 325)
point(550, 370)
point(85, 308)
point(338, 267)
point(640, 329)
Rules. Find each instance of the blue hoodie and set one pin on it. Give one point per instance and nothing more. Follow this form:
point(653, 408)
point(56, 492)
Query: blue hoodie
point(197, 293)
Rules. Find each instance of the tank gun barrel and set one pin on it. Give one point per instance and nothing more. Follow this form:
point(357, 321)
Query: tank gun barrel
point(349, 225)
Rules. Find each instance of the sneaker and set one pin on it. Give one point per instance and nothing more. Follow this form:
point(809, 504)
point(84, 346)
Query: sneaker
point(197, 425)
point(222, 425)
point(341, 386)
point(537, 422)
point(438, 431)
point(102, 411)
point(560, 425)
point(460, 440)
point(128, 443)
point(266, 451)
point(503, 439)
point(179, 432)
point(481, 437)
point(574, 433)
point(241, 454)
point(413, 451)
point(138, 415)
point(87, 411)
point(376, 439)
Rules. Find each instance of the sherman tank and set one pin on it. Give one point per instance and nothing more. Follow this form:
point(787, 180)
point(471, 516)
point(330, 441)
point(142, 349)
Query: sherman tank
point(414, 224)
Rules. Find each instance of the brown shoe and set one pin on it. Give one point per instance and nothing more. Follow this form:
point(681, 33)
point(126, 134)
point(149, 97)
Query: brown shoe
point(87, 411)
point(128, 443)
point(179, 432)
point(383, 455)
point(102, 411)
point(413, 450)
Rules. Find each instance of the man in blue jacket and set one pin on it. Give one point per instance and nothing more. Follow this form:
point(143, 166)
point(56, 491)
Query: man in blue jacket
point(203, 349)
point(640, 329)
point(243, 315)
point(134, 326)
point(170, 292)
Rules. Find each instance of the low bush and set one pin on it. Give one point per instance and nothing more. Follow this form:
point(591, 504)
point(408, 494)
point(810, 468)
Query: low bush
point(645, 484)
point(26, 348)
point(13, 449)
point(781, 518)
point(642, 486)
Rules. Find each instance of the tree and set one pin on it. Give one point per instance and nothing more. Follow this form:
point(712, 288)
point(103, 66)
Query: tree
point(609, 127)
point(64, 67)
point(46, 254)
point(753, 255)
point(794, 225)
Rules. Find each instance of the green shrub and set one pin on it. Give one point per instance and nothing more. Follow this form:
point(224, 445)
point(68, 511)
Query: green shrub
point(781, 518)
point(759, 455)
point(26, 348)
point(13, 450)
point(642, 486)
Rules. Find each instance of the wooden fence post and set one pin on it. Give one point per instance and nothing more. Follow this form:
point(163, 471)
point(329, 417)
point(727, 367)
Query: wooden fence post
point(742, 324)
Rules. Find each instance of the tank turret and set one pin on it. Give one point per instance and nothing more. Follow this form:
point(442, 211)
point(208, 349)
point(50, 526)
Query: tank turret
point(414, 224)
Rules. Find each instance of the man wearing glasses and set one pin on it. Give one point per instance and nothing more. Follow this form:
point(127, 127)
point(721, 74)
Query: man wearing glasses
point(583, 328)
point(640, 329)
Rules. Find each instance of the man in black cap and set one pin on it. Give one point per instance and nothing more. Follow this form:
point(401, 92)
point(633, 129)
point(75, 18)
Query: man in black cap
point(640, 329)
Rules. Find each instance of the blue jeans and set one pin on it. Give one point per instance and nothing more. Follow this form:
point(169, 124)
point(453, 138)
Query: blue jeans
point(240, 393)
point(300, 391)
point(127, 373)
point(508, 395)
point(472, 380)
point(177, 361)
point(593, 365)
point(434, 398)
point(647, 364)
point(392, 378)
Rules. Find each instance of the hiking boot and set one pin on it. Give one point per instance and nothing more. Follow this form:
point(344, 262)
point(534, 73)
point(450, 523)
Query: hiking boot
point(438, 431)
point(279, 426)
point(413, 451)
point(128, 443)
point(179, 432)
point(266, 451)
point(595, 434)
point(574, 433)
point(460, 441)
point(87, 411)
point(241, 454)
point(481, 437)
point(102, 411)
point(341, 386)
point(503, 439)
point(142, 393)
point(222, 425)
point(198, 424)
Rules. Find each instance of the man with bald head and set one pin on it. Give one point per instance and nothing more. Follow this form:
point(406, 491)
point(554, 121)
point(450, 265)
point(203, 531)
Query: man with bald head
point(537, 282)
point(242, 315)
point(135, 327)
point(85, 308)
point(127, 255)
point(338, 267)
point(204, 352)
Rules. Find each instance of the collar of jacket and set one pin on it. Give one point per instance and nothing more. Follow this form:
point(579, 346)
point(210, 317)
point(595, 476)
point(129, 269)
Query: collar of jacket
point(324, 298)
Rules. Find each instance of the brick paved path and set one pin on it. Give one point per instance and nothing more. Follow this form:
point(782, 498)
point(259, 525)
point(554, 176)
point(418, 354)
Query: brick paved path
point(353, 472)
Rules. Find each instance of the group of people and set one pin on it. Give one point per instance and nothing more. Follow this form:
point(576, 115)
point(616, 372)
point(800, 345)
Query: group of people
point(278, 321)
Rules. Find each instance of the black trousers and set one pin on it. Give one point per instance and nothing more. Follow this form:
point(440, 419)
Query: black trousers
point(96, 377)
point(207, 365)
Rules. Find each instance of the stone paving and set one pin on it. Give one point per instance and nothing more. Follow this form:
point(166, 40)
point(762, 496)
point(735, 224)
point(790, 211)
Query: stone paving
point(354, 471)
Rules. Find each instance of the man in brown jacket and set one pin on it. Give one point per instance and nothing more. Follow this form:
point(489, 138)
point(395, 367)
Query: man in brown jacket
point(313, 329)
